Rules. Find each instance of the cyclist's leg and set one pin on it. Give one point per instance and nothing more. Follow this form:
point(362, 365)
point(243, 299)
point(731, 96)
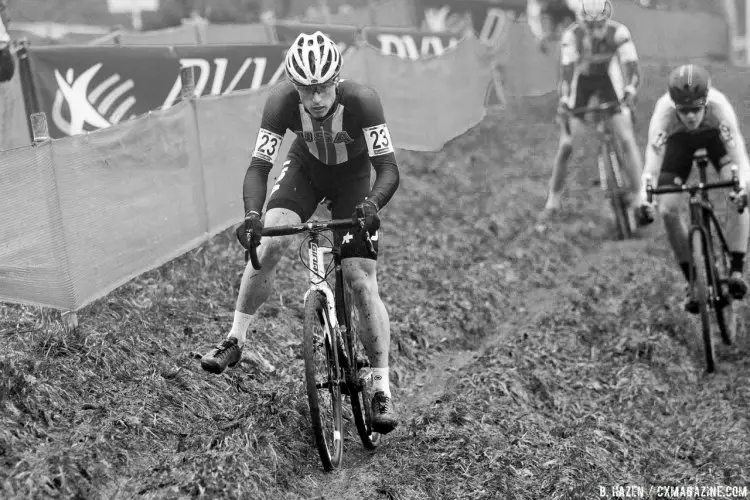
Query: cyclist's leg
point(293, 199)
point(678, 158)
point(581, 93)
point(737, 225)
point(359, 267)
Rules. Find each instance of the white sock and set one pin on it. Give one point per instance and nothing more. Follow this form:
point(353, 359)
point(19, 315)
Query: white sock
point(239, 326)
point(380, 381)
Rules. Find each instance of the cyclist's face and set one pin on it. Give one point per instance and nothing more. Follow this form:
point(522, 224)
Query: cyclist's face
point(317, 99)
point(691, 116)
point(596, 29)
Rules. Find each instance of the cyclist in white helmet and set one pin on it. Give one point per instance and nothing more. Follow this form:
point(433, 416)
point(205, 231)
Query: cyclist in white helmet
point(597, 58)
point(341, 137)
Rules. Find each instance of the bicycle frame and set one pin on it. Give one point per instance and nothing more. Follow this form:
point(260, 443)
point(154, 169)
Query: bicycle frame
point(602, 116)
point(335, 301)
point(701, 210)
point(318, 283)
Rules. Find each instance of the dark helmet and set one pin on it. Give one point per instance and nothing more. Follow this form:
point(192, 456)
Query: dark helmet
point(688, 85)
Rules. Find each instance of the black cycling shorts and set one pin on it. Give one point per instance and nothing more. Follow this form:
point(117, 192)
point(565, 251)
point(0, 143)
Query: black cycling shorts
point(304, 181)
point(679, 151)
point(586, 87)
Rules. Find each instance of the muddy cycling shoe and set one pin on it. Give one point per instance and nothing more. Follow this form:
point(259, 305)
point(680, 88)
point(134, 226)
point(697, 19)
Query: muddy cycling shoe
point(228, 353)
point(383, 414)
point(737, 286)
point(691, 303)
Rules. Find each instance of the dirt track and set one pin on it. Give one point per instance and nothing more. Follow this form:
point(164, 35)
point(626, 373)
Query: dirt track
point(528, 362)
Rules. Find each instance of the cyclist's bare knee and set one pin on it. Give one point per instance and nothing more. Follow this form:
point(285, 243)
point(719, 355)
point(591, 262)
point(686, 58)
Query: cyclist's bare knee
point(271, 249)
point(360, 277)
point(669, 207)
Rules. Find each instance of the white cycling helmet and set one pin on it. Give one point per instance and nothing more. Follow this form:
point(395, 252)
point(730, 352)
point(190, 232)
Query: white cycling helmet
point(313, 59)
point(595, 11)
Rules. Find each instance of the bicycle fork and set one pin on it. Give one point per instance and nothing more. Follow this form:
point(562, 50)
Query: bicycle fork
point(697, 207)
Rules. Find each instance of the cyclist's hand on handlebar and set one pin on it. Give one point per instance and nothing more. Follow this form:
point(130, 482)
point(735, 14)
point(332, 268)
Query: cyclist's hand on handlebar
point(646, 213)
point(368, 211)
point(739, 198)
point(253, 229)
point(628, 98)
point(562, 106)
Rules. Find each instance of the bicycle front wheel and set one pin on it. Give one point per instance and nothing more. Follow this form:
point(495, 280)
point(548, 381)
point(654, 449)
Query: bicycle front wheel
point(724, 305)
point(360, 384)
point(702, 268)
point(323, 380)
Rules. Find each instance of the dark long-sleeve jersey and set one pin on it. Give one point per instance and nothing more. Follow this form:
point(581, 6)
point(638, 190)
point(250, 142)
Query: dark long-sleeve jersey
point(355, 126)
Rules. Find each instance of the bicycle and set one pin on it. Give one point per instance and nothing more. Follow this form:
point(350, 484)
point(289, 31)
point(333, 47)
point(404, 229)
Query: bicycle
point(329, 332)
point(708, 246)
point(609, 162)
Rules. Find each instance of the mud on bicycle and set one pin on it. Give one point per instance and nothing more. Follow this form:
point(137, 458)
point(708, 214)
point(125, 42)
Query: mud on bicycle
point(335, 361)
point(610, 161)
point(710, 256)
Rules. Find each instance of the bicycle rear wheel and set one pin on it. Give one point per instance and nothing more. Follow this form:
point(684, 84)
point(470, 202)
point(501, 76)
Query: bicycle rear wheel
point(724, 305)
point(360, 384)
point(701, 279)
point(610, 169)
point(323, 381)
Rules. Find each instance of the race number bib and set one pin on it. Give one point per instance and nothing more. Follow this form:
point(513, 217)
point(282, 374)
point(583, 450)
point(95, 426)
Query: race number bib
point(378, 140)
point(267, 146)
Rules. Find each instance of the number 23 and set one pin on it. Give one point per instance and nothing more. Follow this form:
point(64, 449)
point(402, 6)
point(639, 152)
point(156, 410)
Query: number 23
point(270, 142)
point(379, 135)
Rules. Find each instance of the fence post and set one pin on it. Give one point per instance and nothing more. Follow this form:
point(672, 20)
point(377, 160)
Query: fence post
point(40, 134)
point(28, 88)
point(187, 77)
point(39, 127)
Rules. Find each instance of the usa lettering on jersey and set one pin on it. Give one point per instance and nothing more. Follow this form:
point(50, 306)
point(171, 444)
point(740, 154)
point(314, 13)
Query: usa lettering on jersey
point(378, 140)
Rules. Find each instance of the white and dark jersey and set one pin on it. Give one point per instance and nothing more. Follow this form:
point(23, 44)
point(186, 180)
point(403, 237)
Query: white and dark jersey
point(720, 116)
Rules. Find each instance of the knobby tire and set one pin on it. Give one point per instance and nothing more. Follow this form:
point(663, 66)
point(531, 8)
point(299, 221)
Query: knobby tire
point(315, 344)
point(724, 305)
point(616, 193)
point(360, 395)
point(701, 280)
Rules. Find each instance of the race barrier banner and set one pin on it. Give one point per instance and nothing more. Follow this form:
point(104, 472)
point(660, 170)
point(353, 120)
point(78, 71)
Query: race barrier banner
point(84, 214)
point(193, 33)
point(84, 88)
point(410, 44)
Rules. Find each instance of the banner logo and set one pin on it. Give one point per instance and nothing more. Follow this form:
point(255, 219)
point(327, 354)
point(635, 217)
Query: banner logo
point(78, 109)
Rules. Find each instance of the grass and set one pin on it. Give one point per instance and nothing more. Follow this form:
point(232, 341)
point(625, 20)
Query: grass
point(579, 370)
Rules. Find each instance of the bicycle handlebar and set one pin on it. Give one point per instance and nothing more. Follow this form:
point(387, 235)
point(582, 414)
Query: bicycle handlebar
point(597, 108)
point(695, 187)
point(314, 226)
